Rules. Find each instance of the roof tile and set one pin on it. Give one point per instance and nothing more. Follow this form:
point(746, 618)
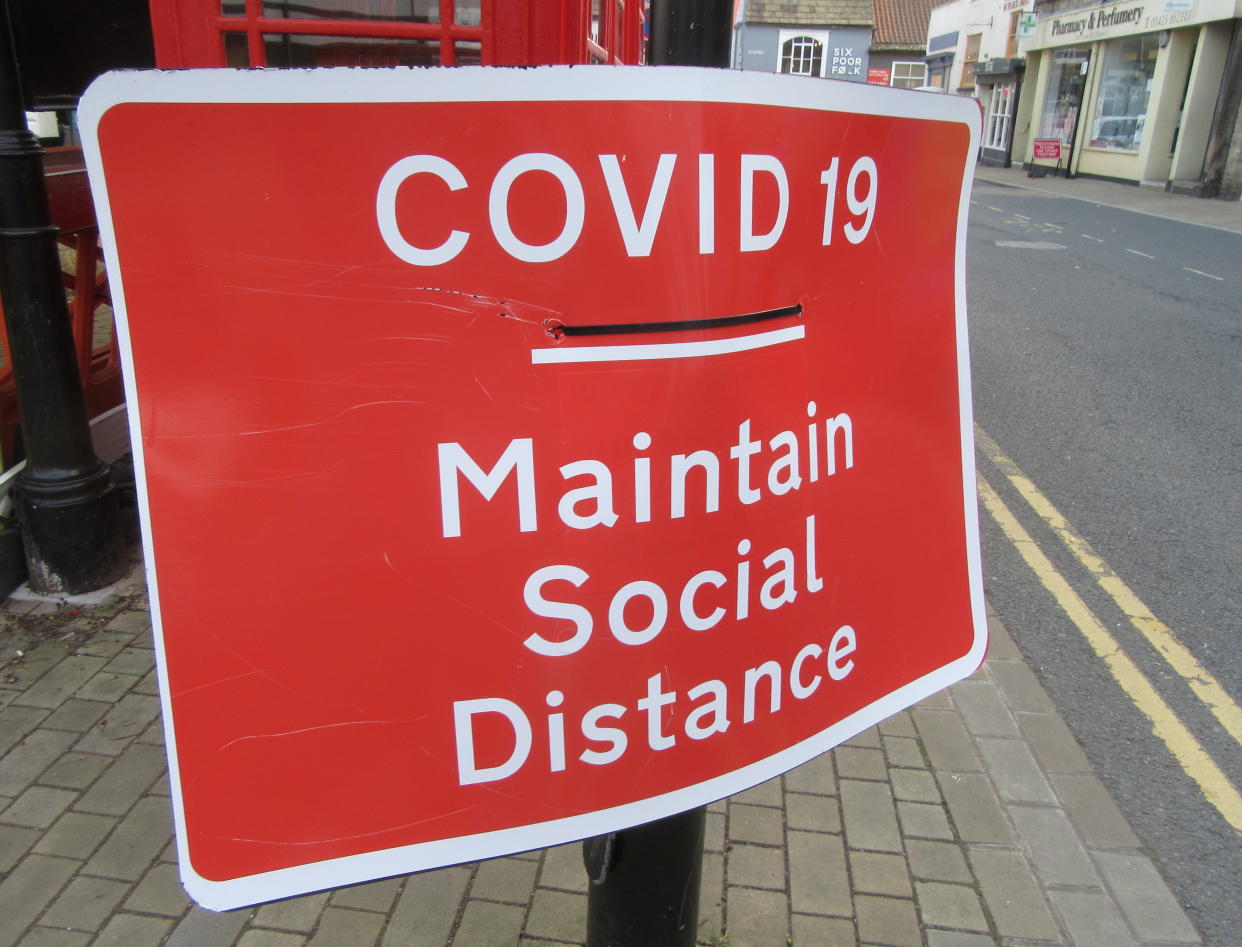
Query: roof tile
point(813, 12)
point(902, 23)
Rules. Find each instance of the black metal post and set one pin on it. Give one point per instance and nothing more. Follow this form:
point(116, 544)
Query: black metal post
point(65, 498)
point(691, 32)
point(644, 889)
point(645, 881)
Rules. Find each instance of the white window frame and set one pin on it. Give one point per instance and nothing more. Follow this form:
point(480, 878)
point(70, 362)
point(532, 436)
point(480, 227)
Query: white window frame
point(893, 77)
point(1000, 114)
point(815, 36)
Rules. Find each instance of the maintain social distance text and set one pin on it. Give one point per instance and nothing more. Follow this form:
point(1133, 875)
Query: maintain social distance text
point(757, 466)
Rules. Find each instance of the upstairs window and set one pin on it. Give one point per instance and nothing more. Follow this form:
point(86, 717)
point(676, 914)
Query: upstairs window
point(1011, 43)
point(802, 54)
point(969, 58)
point(909, 75)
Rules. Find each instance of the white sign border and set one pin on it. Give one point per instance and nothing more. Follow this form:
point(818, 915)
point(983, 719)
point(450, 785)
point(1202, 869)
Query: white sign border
point(492, 84)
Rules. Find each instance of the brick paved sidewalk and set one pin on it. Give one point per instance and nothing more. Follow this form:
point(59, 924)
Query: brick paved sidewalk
point(972, 819)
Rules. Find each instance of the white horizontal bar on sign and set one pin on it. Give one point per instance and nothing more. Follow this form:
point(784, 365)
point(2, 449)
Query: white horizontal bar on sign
point(634, 353)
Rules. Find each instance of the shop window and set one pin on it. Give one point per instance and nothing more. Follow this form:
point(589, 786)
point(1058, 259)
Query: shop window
point(969, 58)
point(1000, 114)
point(1125, 85)
point(1063, 101)
point(802, 55)
point(908, 75)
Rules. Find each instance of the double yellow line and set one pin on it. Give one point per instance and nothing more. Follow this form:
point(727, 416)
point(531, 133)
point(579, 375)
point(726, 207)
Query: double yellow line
point(1166, 725)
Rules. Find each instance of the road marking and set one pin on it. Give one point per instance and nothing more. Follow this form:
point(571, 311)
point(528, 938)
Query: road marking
point(1190, 269)
point(1160, 635)
point(997, 209)
point(1146, 256)
point(1052, 226)
point(1165, 724)
point(1030, 244)
point(1089, 237)
point(1021, 216)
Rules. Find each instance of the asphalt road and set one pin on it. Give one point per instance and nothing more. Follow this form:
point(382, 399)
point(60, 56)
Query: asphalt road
point(1107, 364)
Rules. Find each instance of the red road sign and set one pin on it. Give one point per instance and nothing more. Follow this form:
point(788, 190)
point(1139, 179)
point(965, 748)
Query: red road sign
point(1047, 148)
point(526, 455)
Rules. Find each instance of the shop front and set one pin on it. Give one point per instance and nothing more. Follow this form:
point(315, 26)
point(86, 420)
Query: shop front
point(1129, 89)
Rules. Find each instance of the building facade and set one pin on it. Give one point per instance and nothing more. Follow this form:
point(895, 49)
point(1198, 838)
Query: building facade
point(826, 38)
point(876, 41)
point(1141, 91)
point(973, 48)
point(897, 43)
point(944, 34)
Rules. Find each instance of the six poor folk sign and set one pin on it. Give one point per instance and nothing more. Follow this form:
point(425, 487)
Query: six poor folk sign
point(526, 455)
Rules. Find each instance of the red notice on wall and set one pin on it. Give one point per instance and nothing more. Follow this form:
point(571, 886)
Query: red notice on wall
point(529, 454)
point(1047, 148)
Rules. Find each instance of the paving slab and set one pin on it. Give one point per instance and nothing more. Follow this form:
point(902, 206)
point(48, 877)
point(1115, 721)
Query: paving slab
point(974, 818)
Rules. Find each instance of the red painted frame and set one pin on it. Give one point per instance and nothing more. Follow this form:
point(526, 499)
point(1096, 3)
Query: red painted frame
point(189, 33)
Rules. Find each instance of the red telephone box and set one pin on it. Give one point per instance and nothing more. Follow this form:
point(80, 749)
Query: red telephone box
point(308, 33)
point(246, 33)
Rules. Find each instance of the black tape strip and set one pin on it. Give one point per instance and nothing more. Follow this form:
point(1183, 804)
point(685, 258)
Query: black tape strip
point(680, 325)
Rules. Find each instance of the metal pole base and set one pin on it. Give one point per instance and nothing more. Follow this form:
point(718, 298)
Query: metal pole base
point(644, 888)
point(65, 498)
point(72, 532)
